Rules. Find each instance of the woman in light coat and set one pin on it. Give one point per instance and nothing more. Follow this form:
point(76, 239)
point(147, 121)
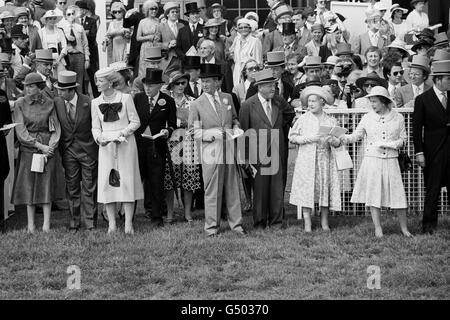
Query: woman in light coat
point(315, 179)
point(379, 182)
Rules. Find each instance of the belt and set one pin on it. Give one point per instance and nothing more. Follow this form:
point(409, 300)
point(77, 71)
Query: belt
point(75, 53)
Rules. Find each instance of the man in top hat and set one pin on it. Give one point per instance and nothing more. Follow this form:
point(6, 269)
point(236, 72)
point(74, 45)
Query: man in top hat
point(157, 113)
point(78, 149)
point(191, 66)
point(418, 74)
point(270, 24)
point(344, 50)
point(21, 47)
point(290, 41)
point(372, 37)
point(189, 35)
point(23, 18)
point(267, 113)
point(274, 39)
point(212, 117)
point(90, 27)
point(431, 135)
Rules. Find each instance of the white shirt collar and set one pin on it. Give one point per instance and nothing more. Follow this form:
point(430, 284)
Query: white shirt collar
point(155, 99)
point(438, 92)
point(74, 100)
point(211, 61)
point(421, 87)
point(262, 100)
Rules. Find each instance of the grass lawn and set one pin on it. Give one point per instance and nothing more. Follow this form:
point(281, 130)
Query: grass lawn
point(179, 262)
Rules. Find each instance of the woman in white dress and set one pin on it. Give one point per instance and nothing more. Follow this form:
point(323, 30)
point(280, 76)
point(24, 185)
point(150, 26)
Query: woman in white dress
point(400, 26)
point(316, 178)
point(114, 120)
point(244, 47)
point(379, 182)
point(418, 19)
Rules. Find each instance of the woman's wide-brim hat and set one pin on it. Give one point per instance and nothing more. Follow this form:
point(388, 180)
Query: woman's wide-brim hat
point(264, 76)
point(66, 80)
point(380, 91)
point(210, 70)
point(440, 68)
point(315, 90)
point(212, 23)
point(32, 78)
point(175, 76)
point(399, 44)
point(153, 76)
point(421, 43)
point(373, 76)
point(52, 14)
point(396, 6)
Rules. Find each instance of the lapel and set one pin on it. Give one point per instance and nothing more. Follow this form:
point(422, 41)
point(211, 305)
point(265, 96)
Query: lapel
point(437, 103)
point(224, 107)
point(79, 110)
point(275, 112)
point(258, 107)
point(211, 108)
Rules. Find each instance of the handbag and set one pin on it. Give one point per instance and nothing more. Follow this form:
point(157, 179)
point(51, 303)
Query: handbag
point(38, 162)
point(114, 175)
point(343, 159)
point(404, 161)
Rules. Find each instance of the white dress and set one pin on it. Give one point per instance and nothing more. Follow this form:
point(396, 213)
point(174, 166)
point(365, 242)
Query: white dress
point(244, 50)
point(379, 182)
point(127, 164)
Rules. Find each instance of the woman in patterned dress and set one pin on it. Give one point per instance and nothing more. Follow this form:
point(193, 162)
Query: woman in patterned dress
point(185, 173)
point(315, 179)
point(379, 182)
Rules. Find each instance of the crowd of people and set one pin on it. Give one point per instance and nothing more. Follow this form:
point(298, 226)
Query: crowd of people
point(163, 119)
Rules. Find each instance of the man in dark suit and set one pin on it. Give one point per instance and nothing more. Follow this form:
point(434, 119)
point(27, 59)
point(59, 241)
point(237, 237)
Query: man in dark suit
point(78, 149)
point(90, 26)
point(132, 19)
point(157, 112)
point(267, 113)
point(431, 134)
point(189, 35)
point(191, 65)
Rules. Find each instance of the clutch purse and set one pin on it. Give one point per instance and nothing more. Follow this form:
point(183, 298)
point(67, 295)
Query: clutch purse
point(404, 161)
point(343, 159)
point(114, 175)
point(38, 163)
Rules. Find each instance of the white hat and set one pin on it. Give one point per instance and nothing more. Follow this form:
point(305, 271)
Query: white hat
point(105, 72)
point(379, 91)
point(51, 14)
point(244, 21)
point(318, 91)
point(252, 14)
point(331, 60)
point(380, 6)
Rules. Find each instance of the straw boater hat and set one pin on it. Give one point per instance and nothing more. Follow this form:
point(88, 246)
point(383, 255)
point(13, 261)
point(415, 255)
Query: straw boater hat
point(374, 77)
point(283, 10)
point(441, 54)
point(264, 76)
point(33, 78)
point(312, 62)
point(379, 91)
point(396, 6)
point(343, 48)
point(212, 23)
point(153, 76)
point(6, 15)
point(210, 70)
point(441, 39)
point(169, 6)
point(315, 90)
point(44, 55)
point(275, 59)
point(331, 60)
point(440, 68)
point(51, 14)
point(175, 76)
point(421, 62)
point(191, 8)
point(153, 54)
point(66, 80)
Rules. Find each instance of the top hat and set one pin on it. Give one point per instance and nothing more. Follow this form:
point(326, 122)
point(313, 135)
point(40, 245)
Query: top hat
point(170, 5)
point(441, 38)
point(21, 11)
point(288, 28)
point(82, 5)
point(66, 80)
point(191, 8)
point(441, 54)
point(191, 62)
point(371, 76)
point(282, 10)
point(312, 62)
point(52, 14)
point(343, 48)
point(413, 2)
point(153, 76)
point(421, 62)
point(212, 23)
point(153, 54)
point(440, 68)
point(210, 70)
point(32, 78)
point(312, 80)
point(44, 55)
point(264, 76)
point(275, 58)
point(379, 91)
point(175, 76)
point(315, 90)
point(18, 31)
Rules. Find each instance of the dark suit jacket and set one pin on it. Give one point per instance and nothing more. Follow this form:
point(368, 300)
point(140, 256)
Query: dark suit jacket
point(186, 39)
point(5, 118)
point(35, 39)
point(288, 88)
point(135, 46)
point(430, 115)
point(90, 26)
point(81, 131)
point(163, 116)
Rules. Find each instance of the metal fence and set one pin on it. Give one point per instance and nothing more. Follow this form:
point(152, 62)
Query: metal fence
point(412, 180)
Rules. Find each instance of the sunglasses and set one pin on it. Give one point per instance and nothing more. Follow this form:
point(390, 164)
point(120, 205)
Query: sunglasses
point(370, 84)
point(180, 83)
point(251, 69)
point(396, 73)
point(154, 8)
point(246, 27)
point(116, 12)
point(70, 14)
point(328, 67)
point(62, 2)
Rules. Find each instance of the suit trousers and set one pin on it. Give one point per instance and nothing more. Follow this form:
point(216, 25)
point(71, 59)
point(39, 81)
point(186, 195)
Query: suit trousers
point(76, 64)
point(81, 183)
point(221, 190)
point(268, 195)
point(437, 174)
point(93, 67)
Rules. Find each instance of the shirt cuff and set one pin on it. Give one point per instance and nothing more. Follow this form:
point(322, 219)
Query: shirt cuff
point(419, 154)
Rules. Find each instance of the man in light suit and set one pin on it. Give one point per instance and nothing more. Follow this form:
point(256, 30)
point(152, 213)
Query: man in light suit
point(372, 37)
point(304, 35)
point(431, 135)
point(269, 114)
point(78, 150)
point(274, 39)
point(418, 74)
point(212, 118)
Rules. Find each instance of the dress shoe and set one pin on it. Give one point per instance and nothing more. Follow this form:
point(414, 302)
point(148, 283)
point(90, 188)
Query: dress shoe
point(213, 235)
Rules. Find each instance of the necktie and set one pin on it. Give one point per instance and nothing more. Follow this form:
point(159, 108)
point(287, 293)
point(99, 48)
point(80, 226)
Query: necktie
point(195, 89)
point(72, 34)
point(72, 111)
point(49, 84)
point(269, 111)
point(277, 88)
point(174, 29)
point(192, 28)
point(217, 106)
point(444, 99)
point(150, 104)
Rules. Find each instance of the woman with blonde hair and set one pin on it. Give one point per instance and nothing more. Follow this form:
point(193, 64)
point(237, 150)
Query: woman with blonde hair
point(118, 36)
point(379, 182)
point(148, 33)
point(315, 179)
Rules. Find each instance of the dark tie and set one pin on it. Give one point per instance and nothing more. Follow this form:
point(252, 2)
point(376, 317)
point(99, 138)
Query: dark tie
point(277, 89)
point(150, 104)
point(195, 89)
point(74, 42)
point(72, 111)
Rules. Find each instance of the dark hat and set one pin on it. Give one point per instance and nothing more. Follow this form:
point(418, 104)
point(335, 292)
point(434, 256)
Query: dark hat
point(82, 5)
point(307, 11)
point(421, 43)
point(374, 77)
point(191, 62)
point(6, 45)
point(153, 76)
point(427, 34)
point(288, 28)
point(191, 8)
point(311, 81)
point(18, 31)
point(210, 70)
